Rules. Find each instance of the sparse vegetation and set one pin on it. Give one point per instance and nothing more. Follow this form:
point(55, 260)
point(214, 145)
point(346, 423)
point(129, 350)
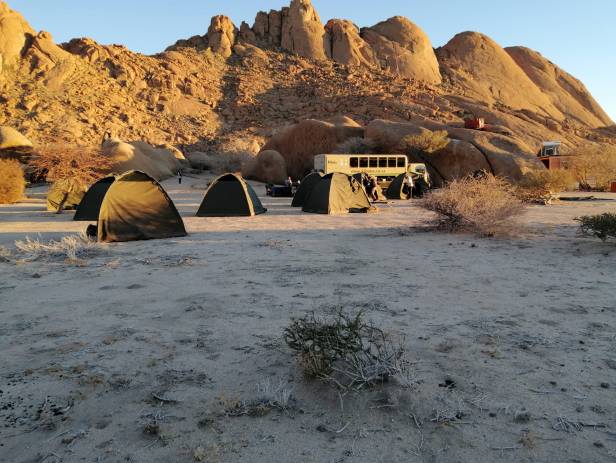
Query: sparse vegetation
point(594, 166)
point(83, 164)
point(542, 186)
point(346, 351)
point(357, 145)
point(73, 248)
point(427, 142)
point(484, 205)
point(12, 183)
point(270, 396)
point(603, 226)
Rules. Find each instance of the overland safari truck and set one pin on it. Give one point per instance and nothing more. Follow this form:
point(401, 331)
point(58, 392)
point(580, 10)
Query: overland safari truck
point(385, 167)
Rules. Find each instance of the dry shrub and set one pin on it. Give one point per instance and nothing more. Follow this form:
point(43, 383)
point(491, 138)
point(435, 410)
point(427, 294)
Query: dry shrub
point(427, 142)
point(346, 351)
point(219, 163)
point(603, 226)
point(12, 183)
point(357, 145)
point(84, 164)
point(594, 166)
point(72, 249)
point(483, 205)
point(542, 186)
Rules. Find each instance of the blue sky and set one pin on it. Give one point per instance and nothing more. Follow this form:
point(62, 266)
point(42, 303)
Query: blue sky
point(578, 35)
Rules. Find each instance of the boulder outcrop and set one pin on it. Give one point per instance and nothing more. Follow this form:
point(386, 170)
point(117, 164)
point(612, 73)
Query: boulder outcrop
point(404, 49)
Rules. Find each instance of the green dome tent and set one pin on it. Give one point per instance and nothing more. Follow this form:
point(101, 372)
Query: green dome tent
point(337, 194)
point(230, 196)
point(137, 208)
point(399, 189)
point(90, 206)
point(305, 188)
point(65, 195)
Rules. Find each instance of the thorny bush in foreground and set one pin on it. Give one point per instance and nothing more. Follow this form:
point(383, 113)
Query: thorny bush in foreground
point(485, 205)
point(346, 351)
point(603, 226)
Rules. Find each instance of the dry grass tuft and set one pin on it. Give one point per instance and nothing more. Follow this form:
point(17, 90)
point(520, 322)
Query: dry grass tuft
point(12, 183)
point(72, 249)
point(346, 351)
point(484, 205)
point(602, 226)
point(543, 186)
point(83, 164)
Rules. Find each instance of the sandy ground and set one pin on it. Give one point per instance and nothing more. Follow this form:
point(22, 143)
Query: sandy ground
point(514, 338)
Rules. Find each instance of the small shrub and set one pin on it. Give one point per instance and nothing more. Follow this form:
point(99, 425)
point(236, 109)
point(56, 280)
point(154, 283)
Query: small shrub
point(594, 166)
point(357, 145)
point(83, 164)
point(542, 186)
point(12, 183)
point(483, 204)
point(602, 226)
point(427, 142)
point(346, 351)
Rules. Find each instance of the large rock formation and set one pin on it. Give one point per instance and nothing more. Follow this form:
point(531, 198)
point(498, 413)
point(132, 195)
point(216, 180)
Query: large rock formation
point(347, 47)
point(302, 31)
point(403, 48)
point(158, 163)
point(15, 34)
point(468, 151)
point(488, 73)
point(221, 35)
point(566, 93)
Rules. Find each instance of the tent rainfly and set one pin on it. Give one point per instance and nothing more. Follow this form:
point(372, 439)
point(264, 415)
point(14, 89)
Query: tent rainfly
point(230, 196)
point(337, 193)
point(305, 188)
point(64, 195)
point(90, 206)
point(137, 208)
point(399, 189)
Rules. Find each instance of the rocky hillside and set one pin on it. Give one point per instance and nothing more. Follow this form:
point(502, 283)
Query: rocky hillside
point(239, 85)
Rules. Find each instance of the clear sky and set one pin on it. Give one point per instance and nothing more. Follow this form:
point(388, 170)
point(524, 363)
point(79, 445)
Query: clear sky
point(578, 35)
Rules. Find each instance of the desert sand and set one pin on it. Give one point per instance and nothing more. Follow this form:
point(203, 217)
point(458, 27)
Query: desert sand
point(134, 353)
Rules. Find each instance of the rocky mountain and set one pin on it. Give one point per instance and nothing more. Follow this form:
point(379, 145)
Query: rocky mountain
point(232, 88)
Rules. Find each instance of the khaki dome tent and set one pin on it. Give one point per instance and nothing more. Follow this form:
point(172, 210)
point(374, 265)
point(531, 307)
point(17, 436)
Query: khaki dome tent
point(305, 188)
point(65, 195)
point(337, 194)
point(137, 208)
point(230, 196)
point(399, 189)
point(90, 206)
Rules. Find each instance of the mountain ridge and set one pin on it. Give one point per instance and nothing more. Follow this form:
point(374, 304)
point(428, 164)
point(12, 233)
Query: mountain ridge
point(244, 83)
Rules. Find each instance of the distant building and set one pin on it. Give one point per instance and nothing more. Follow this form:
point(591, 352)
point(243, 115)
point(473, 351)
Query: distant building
point(551, 157)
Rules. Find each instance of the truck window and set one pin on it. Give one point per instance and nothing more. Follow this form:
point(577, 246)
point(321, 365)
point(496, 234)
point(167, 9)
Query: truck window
point(363, 162)
point(401, 162)
point(354, 162)
point(382, 162)
point(374, 162)
point(391, 162)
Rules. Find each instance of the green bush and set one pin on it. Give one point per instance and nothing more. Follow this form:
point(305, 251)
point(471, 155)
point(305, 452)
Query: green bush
point(12, 183)
point(603, 226)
